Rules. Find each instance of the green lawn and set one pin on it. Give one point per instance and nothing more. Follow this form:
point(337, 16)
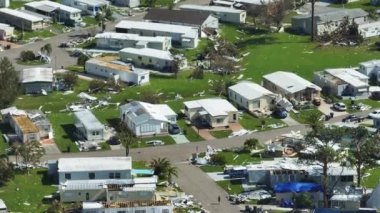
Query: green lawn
point(373, 179)
point(221, 133)
point(158, 3)
point(211, 168)
point(16, 4)
point(302, 114)
point(141, 142)
point(191, 54)
point(231, 187)
point(288, 52)
point(189, 132)
point(63, 127)
point(44, 33)
point(75, 68)
point(250, 122)
point(25, 192)
point(363, 4)
point(89, 20)
point(3, 145)
point(139, 165)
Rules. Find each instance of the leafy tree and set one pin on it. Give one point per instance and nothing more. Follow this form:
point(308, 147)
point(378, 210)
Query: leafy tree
point(96, 85)
point(55, 207)
point(302, 201)
point(175, 67)
point(171, 172)
point(219, 87)
point(150, 3)
point(313, 120)
point(70, 79)
point(150, 97)
point(31, 153)
point(27, 55)
point(274, 13)
point(81, 61)
point(324, 154)
point(251, 143)
point(47, 49)
point(6, 171)
point(218, 159)
point(362, 150)
point(372, 14)
point(9, 83)
point(160, 166)
point(197, 73)
point(126, 137)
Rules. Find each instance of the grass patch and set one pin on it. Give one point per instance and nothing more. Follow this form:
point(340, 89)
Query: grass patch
point(43, 33)
point(363, 4)
point(142, 141)
point(189, 132)
point(34, 62)
point(221, 133)
point(302, 115)
point(63, 128)
point(191, 54)
point(27, 189)
point(231, 187)
point(140, 165)
point(249, 122)
point(158, 3)
point(3, 145)
point(212, 168)
point(75, 68)
point(16, 4)
point(373, 179)
point(89, 20)
point(284, 51)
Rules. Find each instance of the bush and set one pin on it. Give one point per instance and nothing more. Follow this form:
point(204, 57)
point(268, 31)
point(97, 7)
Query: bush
point(27, 55)
point(82, 60)
point(218, 159)
point(96, 85)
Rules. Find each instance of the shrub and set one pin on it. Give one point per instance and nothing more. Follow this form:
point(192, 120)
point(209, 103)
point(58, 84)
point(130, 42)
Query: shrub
point(218, 159)
point(27, 55)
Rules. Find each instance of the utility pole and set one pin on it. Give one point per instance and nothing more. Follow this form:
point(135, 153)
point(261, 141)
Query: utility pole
point(312, 20)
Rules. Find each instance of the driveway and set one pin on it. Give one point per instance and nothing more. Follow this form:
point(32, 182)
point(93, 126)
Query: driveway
point(180, 139)
point(218, 176)
point(326, 108)
point(290, 121)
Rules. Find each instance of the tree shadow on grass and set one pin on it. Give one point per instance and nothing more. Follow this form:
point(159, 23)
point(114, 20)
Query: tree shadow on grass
point(114, 123)
point(71, 134)
point(47, 179)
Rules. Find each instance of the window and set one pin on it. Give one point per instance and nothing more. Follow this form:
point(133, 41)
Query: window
point(165, 210)
point(111, 175)
point(139, 57)
point(117, 175)
point(68, 176)
point(346, 178)
point(219, 120)
point(140, 211)
point(150, 60)
point(120, 211)
point(91, 175)
point(234, 117)
point(87, 196)
point(142, 77)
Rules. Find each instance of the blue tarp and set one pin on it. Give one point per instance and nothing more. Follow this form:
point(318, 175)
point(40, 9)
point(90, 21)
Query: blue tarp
point(297, 187)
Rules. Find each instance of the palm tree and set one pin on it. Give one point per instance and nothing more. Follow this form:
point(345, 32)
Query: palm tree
point(250, 144)
point(104, 15)
point(171, 172)
point(313, 120)
point(160, 166)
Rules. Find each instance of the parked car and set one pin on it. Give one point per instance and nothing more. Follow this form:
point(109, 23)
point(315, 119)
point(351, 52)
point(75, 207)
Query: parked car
point(352, 118)
point(280, 113)
point(155, 143)
point(374, 113)
point(174, 129)
point(114, 140)
point(340, 106)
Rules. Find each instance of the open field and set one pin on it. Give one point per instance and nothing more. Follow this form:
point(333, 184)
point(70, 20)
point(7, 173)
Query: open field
point(25, 193)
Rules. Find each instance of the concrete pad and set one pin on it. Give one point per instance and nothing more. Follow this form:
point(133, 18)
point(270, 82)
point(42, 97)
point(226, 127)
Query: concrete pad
point(117, 147)
point(326, 108)
point(290, 121)
point(51, 148)
point(218, 176)
point(180, 139)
